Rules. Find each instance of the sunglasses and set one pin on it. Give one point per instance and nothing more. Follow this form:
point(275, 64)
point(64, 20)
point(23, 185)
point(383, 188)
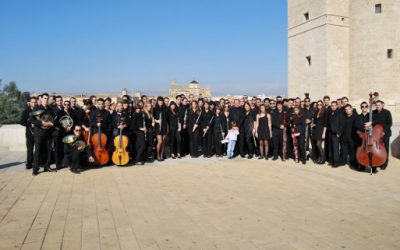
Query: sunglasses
point(78, 130)
point(364, 106)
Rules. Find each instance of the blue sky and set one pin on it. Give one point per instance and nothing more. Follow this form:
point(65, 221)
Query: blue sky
point(96, 46)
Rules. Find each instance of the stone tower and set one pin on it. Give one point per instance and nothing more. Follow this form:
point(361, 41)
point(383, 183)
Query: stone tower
point(345, 48)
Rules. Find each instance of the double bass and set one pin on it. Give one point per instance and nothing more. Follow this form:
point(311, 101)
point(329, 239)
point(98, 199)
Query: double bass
point(372, 152)
point(120, 156)
point(99, 141)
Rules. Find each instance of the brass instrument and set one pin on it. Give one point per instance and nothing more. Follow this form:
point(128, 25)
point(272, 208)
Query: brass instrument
point(38, 114)
point(73, 141)
point(66, 122)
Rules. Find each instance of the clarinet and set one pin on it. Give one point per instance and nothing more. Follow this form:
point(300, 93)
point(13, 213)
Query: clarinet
point(197, 120)
point(284, 150)
point(209, 124)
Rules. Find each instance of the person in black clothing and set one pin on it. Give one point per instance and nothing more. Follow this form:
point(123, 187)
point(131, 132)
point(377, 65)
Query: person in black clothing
point(335, 118)
point(319, 131)
point(119, 120)
point(78, 112)
point(73, 154)
point(28, 131)
point(348, 134)
point(149, 120)
point(236, 114)
point(174, 130)
point(183, 113)
point(277, 130)
point(42, 137)
point(101, 118)
point(206, 123)
point(362, 120)
point(263, 130)
point(383, 117)
point(160, 114)
point(249, 130)
point(58, 132)
point(193, 119)
point(219, 130)
point(308, 114)
point(139, 127)
point(298, 132)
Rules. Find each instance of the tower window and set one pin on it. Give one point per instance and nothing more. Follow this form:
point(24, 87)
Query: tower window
point(390, 53)
point(378, 8)
point(308, 60)
point(307, 16)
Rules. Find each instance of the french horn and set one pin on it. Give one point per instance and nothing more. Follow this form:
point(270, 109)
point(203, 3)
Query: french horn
point(38, 114)
point(66, 122)
point(73, 141)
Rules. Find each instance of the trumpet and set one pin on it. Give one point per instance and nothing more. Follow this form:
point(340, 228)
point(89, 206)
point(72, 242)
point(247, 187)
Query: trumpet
point(66, 122)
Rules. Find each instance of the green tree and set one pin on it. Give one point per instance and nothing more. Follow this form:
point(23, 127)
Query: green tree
point(12, 102)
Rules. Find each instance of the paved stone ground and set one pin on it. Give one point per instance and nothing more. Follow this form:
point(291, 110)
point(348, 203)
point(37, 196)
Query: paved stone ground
point(199, 204)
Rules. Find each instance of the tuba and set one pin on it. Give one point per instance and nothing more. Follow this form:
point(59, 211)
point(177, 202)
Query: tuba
point(66, 122)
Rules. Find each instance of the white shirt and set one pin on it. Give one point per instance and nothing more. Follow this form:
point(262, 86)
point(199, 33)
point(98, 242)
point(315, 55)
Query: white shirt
point(232, 135)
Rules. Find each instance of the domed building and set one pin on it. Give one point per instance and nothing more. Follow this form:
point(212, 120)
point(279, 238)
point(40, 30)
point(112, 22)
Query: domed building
point(193, 88)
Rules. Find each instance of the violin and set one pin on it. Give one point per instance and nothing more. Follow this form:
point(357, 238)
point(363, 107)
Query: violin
point(372, 152)
point(120, 156)
point(99, 141)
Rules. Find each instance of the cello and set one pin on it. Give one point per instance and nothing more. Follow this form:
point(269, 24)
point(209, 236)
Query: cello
point(372, 152)
point(120, 156)
point(99, 141)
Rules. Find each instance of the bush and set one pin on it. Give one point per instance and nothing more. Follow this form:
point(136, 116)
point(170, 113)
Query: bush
point(12, 103)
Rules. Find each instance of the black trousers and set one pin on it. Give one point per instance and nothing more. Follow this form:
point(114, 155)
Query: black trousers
point(334, 150)
point(30, 143)
point(42, 152)
point(219, 148)
point(194, 142)
point(386, 141)
point(175, 141)
point(240, 146)
point(250, 144)
point(140, 146)
point(277, 138)
point(207, 144)
point(301, 147)
point(149, 143)
point(58, 147)
point(185, 142)
point(289, 143)
point(348, 151)
point(72, 159)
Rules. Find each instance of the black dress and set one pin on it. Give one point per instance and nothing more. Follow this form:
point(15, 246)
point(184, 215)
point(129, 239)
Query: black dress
point(263, 128)
point(320, 123)
point(163, 112)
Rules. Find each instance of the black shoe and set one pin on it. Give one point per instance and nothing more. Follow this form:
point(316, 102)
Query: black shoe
point(139, 163)
point(384, 166)
point(303, 162)
point(250, 157)
point(266, 158)
point(34, 173)
point(49, 170)
point(179, 156)
point(28, 166)
point(260, 157)
point(275, 158)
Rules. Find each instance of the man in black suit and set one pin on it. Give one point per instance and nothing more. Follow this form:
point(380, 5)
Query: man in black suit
point(349, 133)
point(334, 124)
point(28, 131)
point(384, 117)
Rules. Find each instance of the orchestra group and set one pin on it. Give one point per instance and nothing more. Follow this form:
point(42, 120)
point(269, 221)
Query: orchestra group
point(126, 133)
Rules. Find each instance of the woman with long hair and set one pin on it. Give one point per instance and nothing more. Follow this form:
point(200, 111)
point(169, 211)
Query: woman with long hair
point(150, 123)
point(219, 131)
point(160, 116)
point(319, 131)
point(248, 130)
point(174, 130)
point(298, 126)
point(263, 130)
point(193, 120)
